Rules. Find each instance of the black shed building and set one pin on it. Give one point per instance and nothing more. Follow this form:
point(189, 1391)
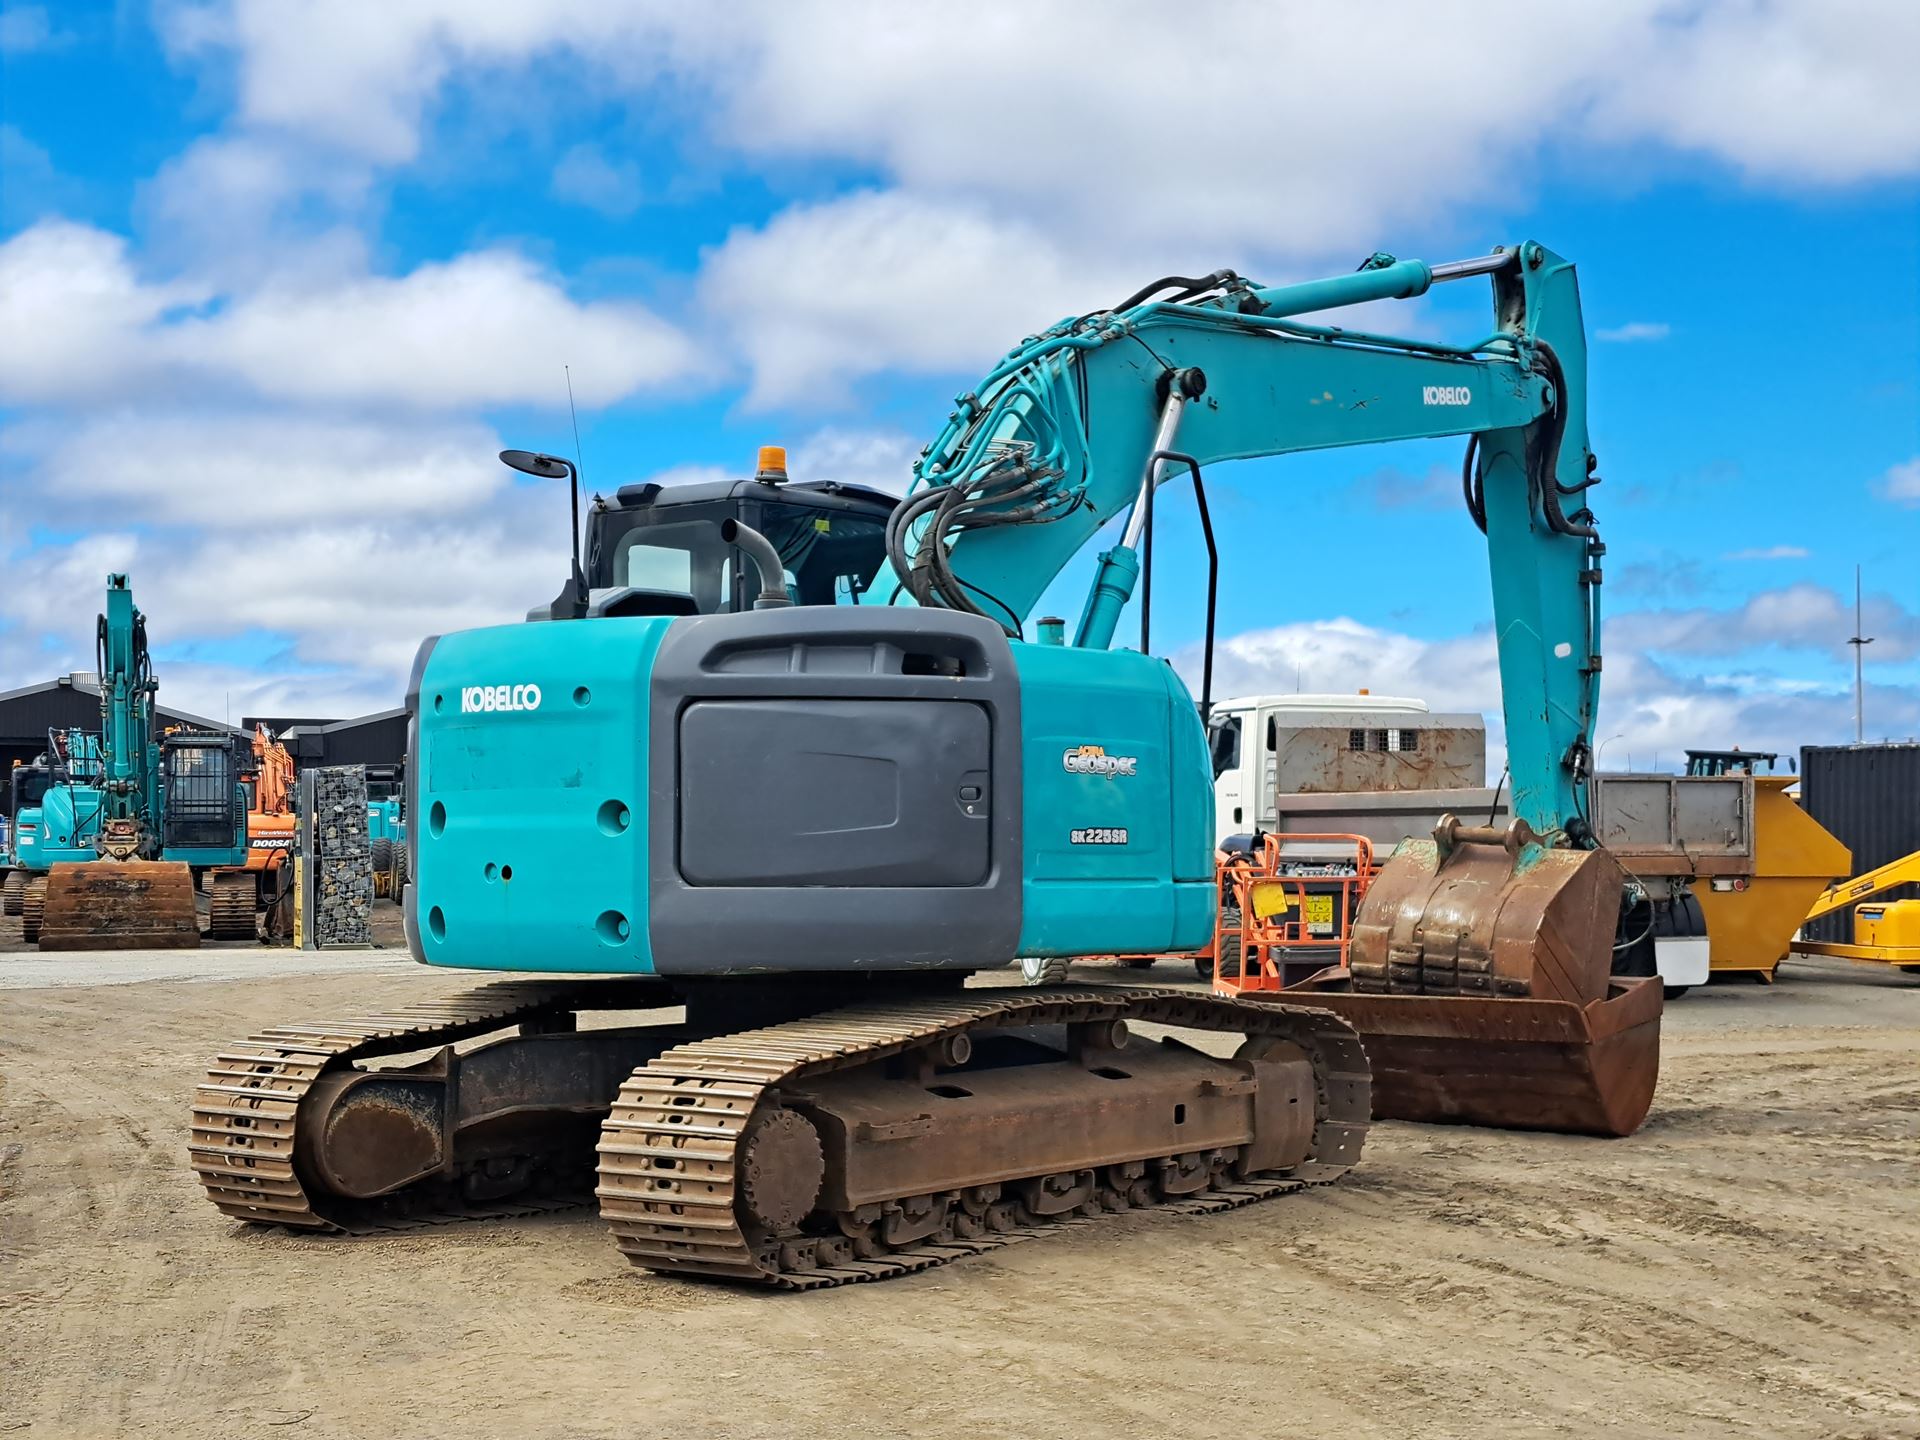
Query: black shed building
point(71, 702)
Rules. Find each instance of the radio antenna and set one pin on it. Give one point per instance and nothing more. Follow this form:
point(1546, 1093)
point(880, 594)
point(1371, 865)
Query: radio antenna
point(579, 460)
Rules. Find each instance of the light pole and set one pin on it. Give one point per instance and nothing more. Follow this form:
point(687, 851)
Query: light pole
point(1859, 643)
point(1601, 754)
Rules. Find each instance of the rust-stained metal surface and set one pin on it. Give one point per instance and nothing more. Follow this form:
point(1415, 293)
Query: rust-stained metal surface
point(1478, 978)
point(1336, 752)
point(1693, 825)
point(1511, 1064)
point(908, 1183)
point(112, 904)
point(852, 1145)
point(1486, 913)
point(261, 1118)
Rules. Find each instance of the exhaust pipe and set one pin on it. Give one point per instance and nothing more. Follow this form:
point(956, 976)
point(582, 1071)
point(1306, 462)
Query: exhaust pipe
point(766, 560)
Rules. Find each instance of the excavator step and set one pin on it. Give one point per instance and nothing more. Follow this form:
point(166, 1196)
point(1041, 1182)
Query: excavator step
point(120, 905)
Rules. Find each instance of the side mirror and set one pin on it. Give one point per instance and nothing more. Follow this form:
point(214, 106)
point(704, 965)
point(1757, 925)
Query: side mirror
point(532, 462)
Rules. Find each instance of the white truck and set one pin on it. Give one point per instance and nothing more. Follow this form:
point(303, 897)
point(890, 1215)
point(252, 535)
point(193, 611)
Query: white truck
point(1388, 767)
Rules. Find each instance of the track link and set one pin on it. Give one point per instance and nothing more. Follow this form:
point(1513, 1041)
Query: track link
point(672, 1168)
point(33, 909)
point(241, 1143)
point(231, 901)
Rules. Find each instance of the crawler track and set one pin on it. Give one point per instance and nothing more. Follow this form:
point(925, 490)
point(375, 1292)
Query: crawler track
point(672, 1168)
point(244, 1113)
point(671, 1159)
point(231, 901)
point(33, 909)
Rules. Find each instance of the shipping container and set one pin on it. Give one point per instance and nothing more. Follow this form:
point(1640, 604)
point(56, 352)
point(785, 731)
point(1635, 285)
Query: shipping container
point(1868, 796)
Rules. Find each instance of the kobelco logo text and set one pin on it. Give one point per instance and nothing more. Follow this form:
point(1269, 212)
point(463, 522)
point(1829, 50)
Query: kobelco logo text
point(1094, 760)
point(475, 699)
point(1446, 395)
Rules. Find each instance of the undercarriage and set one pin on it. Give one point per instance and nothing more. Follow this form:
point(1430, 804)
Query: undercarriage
point(915, 1125)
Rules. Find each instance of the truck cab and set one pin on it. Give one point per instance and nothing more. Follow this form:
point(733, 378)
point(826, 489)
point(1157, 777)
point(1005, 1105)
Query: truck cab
point(1382, 766)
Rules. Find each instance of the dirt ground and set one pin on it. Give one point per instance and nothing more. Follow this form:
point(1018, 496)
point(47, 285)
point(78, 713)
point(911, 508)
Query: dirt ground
point(1747, 1265)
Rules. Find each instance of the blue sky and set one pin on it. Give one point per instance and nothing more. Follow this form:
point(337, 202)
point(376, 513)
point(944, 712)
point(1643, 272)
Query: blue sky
point(275, 282)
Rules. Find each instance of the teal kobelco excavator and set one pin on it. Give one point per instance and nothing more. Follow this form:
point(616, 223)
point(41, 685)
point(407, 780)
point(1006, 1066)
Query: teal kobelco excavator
point(171, 806)
point(796, 758)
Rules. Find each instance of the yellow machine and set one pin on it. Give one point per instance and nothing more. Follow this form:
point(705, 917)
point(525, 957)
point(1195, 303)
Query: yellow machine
point(1724, 853)
point(1752, 918)
point(1884, 933)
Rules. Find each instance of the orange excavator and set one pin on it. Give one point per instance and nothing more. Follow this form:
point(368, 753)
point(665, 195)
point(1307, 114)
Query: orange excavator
point(270, 844)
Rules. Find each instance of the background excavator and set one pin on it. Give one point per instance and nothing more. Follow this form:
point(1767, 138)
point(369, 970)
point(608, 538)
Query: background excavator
point(781, 754)
point(271, 835)
point(172, 807)
point(56, 814)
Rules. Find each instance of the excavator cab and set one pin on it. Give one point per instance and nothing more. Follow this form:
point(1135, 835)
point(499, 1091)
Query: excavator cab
point(658, 550)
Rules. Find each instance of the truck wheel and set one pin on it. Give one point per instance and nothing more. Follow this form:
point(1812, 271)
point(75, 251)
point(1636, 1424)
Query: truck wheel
point(1674, 992)
point(1038, 971)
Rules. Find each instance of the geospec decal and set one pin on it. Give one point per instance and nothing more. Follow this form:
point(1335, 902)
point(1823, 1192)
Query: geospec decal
point(477, 699)
point(1094, 760)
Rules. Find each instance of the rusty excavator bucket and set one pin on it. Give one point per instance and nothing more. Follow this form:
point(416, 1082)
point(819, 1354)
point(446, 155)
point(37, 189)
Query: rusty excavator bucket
point(109, 904)
point(1478, 977)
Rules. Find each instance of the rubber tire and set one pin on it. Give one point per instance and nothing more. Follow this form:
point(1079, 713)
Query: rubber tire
point(1674, 992)
point(1037, 971)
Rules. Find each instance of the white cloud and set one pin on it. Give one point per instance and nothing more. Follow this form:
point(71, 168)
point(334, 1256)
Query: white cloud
point(1635, 330)
point(1769, 552)
point(879, 459)
point(1017, 164)
point(585, 176)
point(344, 602)
point(1647, 709)
point(951, 98)
point(488, 327)
point(259, 471)
point(1803, 616)
point(1901, 483)
point(853, 287)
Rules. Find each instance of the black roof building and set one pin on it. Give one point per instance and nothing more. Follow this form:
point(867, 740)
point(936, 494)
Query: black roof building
point(71, 702)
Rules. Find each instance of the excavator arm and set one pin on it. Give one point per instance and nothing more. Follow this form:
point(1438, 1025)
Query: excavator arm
point(1478, 968)
point(1075, 426)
